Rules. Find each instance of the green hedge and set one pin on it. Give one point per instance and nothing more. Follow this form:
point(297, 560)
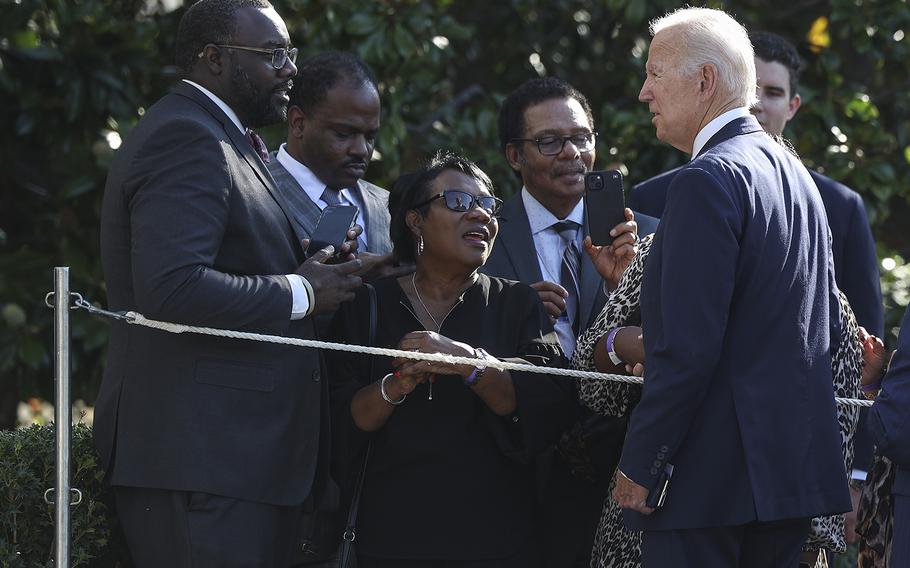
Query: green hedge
point(27, 469)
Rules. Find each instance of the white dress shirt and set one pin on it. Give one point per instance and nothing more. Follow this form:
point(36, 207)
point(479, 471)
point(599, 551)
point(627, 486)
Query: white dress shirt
point(550, 248)
point(300, 302)
point(714, 127)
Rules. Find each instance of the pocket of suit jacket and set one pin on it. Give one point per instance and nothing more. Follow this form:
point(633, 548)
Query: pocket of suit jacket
point(235, 375)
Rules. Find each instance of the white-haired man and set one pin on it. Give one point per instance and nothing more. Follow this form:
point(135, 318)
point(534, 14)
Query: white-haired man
point(738, 312)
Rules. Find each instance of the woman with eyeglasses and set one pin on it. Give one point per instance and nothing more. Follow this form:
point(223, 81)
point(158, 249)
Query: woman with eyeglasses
point(450, 478)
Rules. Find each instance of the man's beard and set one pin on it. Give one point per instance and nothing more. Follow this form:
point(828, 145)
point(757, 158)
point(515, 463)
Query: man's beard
point(258, 108)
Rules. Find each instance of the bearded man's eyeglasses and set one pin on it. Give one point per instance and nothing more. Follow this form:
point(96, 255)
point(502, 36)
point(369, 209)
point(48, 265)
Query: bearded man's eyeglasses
point(553, 145)
point(280, 56)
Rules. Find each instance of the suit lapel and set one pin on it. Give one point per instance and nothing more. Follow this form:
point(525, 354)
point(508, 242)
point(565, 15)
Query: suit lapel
point(304, 212)
point(736, 127)
point(239, 140)
point(374, 208)
point(516, 242)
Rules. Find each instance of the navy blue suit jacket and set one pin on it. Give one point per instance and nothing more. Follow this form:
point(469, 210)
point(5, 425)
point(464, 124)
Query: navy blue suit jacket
point(738, 311)
point(889, 417)
point(855, 259)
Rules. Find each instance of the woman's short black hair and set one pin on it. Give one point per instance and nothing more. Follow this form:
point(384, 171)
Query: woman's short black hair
point(414, 188)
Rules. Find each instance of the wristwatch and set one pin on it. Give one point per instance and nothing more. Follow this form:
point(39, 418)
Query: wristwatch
point(479, 370)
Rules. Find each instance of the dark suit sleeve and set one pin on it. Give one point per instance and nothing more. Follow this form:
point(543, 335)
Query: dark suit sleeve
point(861, 281)
point(179, 196)
point(889, 417)
point(700, 247)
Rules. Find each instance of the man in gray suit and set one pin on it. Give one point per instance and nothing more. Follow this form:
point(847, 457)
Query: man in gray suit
point(204, 438)
point(333, 119)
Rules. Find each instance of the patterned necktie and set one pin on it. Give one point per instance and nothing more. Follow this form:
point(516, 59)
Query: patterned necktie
point(568, 275)
point(331, 196)
point(258, 145)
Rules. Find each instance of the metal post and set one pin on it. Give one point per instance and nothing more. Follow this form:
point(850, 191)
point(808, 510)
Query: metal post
point(62, 411)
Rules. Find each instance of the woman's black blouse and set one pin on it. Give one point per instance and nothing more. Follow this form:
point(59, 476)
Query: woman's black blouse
point(448, 479)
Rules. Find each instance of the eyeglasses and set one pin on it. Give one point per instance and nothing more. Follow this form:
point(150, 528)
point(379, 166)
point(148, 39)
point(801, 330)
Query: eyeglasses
point(462, 201)
point(553, 145)
point(280, 56)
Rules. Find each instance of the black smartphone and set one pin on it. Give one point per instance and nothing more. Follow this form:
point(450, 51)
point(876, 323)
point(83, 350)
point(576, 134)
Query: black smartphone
point(604, 205)
point(332, 227)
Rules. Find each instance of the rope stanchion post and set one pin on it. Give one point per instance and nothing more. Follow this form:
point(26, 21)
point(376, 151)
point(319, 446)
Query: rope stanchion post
point(62, 418)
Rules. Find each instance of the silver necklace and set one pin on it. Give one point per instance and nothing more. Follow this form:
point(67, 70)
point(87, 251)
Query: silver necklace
point(424, 306)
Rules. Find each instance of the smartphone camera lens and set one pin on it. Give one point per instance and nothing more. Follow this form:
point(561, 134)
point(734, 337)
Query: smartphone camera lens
point(595, 182)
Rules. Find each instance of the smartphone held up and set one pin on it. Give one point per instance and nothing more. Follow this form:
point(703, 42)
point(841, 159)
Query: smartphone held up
point(604, 204)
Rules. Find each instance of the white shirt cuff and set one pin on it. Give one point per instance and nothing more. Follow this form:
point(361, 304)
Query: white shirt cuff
point(301, 300)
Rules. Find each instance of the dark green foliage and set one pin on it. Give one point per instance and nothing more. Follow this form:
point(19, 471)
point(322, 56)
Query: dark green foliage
point(71, 72)
point(27, 469)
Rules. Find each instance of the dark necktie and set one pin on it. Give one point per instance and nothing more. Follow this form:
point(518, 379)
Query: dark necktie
point(258, 145)
point(331, 196)
point(568, 275)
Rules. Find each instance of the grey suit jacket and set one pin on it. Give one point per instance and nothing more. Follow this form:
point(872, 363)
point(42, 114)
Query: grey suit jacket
point(515, 257)
point(305, 213)
point(193, 230)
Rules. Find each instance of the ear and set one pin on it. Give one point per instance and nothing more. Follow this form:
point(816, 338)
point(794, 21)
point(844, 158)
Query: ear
point(296, 121)
point(707, 79)
point(414, 221)
point(793, 106)
point(212, 58)
point(514, 156)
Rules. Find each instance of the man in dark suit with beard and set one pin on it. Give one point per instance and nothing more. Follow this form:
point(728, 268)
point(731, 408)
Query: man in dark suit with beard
point(212, 445)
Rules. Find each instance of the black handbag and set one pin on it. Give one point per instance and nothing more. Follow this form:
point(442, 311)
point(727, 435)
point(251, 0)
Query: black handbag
point(320, 547)
point(347, 558)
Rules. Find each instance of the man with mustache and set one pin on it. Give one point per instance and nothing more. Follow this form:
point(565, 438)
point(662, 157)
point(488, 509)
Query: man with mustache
point(213, 445)
point(333, 120)
point(546, 133)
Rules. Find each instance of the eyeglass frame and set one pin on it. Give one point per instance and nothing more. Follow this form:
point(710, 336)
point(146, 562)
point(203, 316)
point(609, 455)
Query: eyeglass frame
point(289, 55)
point(475, 201)
point(562, 147)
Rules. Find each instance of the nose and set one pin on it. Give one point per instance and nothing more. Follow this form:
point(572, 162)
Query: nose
point(569, 150)
point(479, 213)
point(645, 95)
point(360, 147)
point(289, 70)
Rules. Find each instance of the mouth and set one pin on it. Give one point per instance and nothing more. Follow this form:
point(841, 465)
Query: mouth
point(477, 237)
point(283, 90)
point(573, 175)
point(356, 169)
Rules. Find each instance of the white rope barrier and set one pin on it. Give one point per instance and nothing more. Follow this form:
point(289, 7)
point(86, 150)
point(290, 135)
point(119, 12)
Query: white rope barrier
point(136, 318)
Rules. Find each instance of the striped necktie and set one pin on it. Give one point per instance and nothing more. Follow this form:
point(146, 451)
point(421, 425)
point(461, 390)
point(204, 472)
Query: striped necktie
point(568, 275)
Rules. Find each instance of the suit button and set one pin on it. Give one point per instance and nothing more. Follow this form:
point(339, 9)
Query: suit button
point(316, 376)
point(657, 463)
point(653, 471)
point(664, 449)
point(661, 455)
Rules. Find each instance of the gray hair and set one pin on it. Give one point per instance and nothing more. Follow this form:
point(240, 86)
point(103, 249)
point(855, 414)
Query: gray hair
point(712, 36)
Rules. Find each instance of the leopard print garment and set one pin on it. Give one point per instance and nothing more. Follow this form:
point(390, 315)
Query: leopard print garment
point(614, 546)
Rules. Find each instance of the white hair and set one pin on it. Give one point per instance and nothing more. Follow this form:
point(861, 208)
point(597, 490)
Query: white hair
point(712, 36)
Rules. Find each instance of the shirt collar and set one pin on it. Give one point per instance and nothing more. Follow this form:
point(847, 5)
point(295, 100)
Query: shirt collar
point(221, 104)
point(305, 177)
point(714, 127)
point(540, 218)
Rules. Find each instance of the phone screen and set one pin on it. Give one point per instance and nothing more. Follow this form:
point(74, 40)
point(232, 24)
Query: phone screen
point(604, 204)
point(332, 227)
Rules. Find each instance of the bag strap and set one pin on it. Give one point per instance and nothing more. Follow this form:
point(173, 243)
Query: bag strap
point(350, 530)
